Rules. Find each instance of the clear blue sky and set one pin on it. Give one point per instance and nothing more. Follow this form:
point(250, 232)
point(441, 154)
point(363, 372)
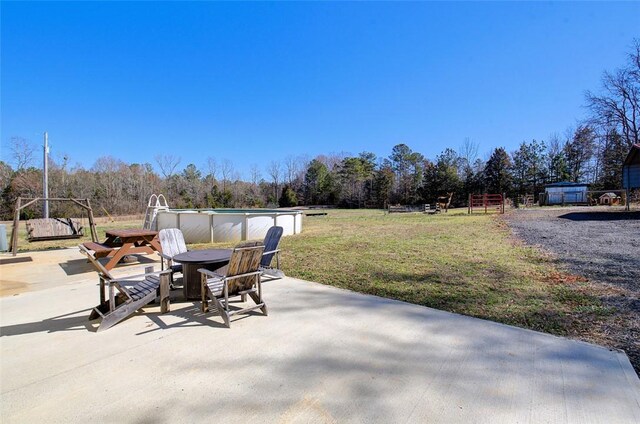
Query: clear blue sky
point(254, 82)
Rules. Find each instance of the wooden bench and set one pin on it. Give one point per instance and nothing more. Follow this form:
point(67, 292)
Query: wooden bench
point(53, 229)
point(400, 209)
point(99, 250)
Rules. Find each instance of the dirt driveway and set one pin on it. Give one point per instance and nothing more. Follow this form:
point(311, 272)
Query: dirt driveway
point(603, 245)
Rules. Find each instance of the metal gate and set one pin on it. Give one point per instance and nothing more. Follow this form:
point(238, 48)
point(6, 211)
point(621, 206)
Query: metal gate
point(486, 202)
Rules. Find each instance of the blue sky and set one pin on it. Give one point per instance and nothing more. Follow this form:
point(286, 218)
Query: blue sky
point(255, 82)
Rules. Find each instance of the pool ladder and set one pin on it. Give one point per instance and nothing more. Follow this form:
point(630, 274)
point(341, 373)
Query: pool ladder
point(156, 203)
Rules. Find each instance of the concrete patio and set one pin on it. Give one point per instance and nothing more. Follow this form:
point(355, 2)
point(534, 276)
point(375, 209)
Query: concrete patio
point(322, 355)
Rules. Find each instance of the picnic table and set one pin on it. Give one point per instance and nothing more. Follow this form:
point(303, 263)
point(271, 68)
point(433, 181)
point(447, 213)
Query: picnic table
point(120, 243)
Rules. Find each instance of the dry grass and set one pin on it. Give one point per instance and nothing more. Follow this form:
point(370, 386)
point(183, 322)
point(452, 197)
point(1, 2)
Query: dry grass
point(461, 263)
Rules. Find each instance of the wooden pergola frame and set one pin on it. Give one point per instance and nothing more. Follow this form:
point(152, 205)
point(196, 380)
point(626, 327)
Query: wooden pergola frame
point(83, 203)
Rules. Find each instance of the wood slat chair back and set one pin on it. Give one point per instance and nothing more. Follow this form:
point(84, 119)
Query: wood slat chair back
point(172, 241)
point(241, 279)
point(245, 258)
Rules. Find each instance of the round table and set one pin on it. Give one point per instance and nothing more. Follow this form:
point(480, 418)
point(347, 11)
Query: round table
point(211, 259)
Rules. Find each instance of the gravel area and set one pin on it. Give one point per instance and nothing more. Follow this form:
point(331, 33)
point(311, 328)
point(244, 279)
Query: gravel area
point(601, 244)
point(598, 244)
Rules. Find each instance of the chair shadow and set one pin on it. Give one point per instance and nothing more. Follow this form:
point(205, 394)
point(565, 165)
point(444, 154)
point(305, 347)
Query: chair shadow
point(67, 322)
point(193, 316)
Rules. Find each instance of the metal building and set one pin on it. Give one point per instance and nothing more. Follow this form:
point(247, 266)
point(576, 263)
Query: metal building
point(631, 169)
point(565, 193)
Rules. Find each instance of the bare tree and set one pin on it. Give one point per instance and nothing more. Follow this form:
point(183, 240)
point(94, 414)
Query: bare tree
point(226, 169)
point(212, 167)
point(333, 160)
point(22, 151)
point(291, 165)
point(255, 174)
point(468, 154)
point(254, 187)
point(554, 146)
point(236, 186)
point(274, 170)
point(619, 105)
point(167, 164)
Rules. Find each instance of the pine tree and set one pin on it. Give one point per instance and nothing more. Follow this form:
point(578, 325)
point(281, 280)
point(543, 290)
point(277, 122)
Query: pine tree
point(288, 197)
point(497, 175)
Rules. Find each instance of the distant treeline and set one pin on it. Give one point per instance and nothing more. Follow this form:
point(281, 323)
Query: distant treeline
point(592, 153)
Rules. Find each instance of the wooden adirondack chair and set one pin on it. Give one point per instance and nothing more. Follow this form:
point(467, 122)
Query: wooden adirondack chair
point(172, 242)
point(122, 296)
point(271, 242)
point(242, 278)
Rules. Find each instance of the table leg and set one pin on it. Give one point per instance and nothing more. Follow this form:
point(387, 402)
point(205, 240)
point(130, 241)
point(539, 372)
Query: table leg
point(191, 280)
point(192, 284)
point(118, 255)
point(155, 243)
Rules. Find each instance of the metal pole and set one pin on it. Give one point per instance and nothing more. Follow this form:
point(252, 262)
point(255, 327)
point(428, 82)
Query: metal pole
point(45, 176)
point(627, 207)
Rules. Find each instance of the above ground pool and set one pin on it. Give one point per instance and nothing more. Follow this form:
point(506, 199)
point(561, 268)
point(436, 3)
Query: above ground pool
point(218, 225)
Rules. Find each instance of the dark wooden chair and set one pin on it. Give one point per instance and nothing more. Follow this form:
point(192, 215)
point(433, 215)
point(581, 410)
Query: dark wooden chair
point(172, 242)
point(123, 296)
point(271, 250)
point(241, 278)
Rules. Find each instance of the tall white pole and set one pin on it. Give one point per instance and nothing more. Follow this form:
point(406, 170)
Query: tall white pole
point(45, 176)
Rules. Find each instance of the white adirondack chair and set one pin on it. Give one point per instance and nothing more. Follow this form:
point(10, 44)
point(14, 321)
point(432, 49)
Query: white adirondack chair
point(172, 242)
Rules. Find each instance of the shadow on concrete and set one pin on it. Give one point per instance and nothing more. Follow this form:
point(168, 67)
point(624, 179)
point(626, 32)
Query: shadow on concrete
point(193, 316)
point(16, 260)
point(360, 359)
point(82, 266)
point(337, 356)
point(601, 216)
point(72, 321)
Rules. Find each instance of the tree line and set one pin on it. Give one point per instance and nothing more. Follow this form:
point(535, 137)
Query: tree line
point(592, 152)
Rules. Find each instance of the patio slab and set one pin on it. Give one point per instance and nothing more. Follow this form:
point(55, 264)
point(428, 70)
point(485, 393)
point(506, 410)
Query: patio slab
point(322, 355)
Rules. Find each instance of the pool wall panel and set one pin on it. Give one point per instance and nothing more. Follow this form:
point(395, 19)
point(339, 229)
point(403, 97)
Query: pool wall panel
point(258, 225)
point(209, 226)
point(196, 227)
point(287, 223)
point(227, 227)
point(167, 220)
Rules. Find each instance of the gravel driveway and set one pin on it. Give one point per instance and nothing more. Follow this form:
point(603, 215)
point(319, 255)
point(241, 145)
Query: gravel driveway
point(601, 244)
point(597, 243)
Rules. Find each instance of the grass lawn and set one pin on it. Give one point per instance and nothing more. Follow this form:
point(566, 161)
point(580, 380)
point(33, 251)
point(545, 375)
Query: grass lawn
point(456, 262)
point(453, 261)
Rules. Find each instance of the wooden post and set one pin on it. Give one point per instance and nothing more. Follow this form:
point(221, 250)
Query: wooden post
point(92, 224)
point(626, 199)
point(165, 305)
point(504, 197)
point(484, 200)
point(14, 230)
point(469, 204)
